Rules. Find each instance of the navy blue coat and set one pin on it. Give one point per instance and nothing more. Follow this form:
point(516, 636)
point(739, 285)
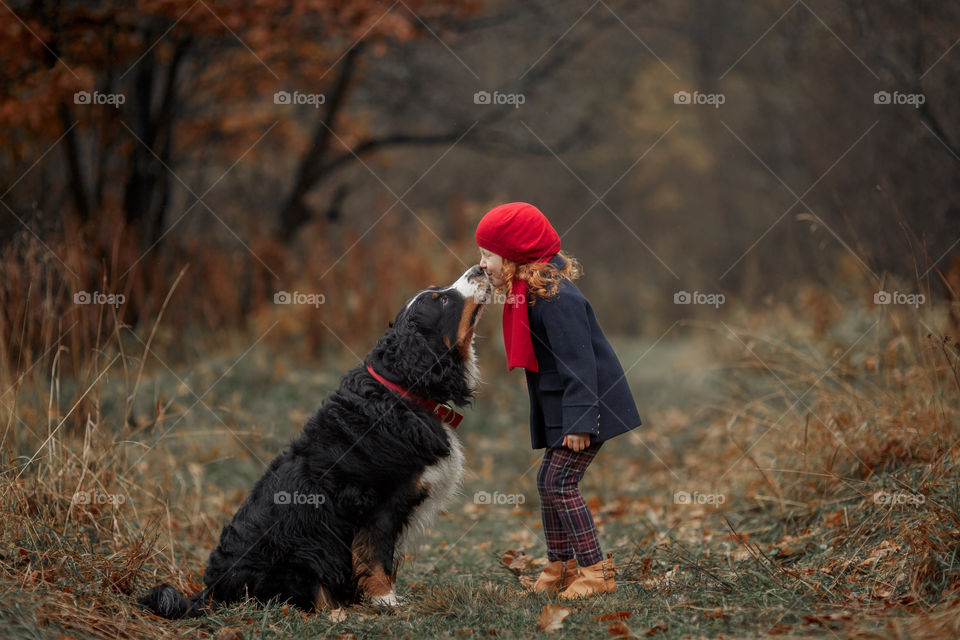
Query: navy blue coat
point(580, 387)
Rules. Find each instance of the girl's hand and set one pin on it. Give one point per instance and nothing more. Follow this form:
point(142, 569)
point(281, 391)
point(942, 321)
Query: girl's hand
point(576, 441)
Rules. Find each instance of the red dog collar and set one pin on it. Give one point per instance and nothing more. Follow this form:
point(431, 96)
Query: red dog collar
point(445, 413)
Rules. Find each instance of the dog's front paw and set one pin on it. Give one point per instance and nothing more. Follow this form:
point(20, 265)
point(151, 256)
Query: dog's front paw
point(388, 600)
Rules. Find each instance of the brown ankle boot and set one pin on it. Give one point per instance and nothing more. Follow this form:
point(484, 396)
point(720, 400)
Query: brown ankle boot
point(556, 576)
point(597, 578)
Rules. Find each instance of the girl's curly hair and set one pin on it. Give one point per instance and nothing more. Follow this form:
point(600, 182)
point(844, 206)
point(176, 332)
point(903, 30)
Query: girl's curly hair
point(543, 279)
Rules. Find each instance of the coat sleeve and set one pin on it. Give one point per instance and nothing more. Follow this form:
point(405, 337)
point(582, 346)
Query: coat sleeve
point(568, 331)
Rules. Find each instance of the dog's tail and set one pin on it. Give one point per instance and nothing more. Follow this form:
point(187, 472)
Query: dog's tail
point(166, 601)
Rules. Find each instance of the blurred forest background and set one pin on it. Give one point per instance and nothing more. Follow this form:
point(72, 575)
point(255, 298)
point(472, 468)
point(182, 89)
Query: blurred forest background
point(169, 169)
point(371, 191)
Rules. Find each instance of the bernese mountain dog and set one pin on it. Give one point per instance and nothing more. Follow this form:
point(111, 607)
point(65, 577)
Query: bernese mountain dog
point(330, 520)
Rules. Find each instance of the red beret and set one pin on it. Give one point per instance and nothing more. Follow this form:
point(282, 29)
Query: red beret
point(518, 231)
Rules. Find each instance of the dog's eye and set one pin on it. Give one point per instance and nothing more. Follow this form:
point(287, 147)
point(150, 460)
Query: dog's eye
point(443, 300)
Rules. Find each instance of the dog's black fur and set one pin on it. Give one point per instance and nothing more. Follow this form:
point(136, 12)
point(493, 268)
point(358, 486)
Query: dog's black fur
point(364, 451)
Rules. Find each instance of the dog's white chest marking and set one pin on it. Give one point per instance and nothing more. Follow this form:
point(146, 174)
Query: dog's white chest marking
point(444, 479)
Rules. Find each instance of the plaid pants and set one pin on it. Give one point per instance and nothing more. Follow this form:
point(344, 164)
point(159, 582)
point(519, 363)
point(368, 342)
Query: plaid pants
point(567, 523)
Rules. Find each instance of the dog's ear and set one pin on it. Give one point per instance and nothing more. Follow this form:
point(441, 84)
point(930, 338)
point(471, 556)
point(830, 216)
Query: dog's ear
point(420, 362)
point(412, 349)
point(403, 351)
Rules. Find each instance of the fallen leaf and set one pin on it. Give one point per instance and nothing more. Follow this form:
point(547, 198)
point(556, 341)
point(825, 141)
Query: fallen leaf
point(660, 627)
point(527, 582)
point(516, 560)
point(828, 620)
point(619, 615)
point(885, 548)
point(619, 629)
point(552, 617)
point(337, 615)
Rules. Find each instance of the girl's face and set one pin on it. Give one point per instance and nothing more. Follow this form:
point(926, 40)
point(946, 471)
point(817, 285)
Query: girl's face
point(492, 264)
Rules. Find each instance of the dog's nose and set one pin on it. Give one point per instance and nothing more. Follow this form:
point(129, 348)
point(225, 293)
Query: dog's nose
point(476, 271)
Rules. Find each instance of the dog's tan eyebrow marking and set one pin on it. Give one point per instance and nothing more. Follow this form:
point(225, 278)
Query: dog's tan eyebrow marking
point(435, 295)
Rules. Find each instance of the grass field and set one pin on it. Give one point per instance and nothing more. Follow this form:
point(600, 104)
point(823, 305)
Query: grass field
point(788, 482)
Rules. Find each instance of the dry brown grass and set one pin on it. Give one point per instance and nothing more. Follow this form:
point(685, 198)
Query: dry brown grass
point(840, 447)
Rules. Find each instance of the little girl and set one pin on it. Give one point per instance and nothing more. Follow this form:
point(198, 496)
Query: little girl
point(579, 397)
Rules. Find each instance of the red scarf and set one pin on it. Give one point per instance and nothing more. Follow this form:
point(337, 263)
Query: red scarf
point(519, 232)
